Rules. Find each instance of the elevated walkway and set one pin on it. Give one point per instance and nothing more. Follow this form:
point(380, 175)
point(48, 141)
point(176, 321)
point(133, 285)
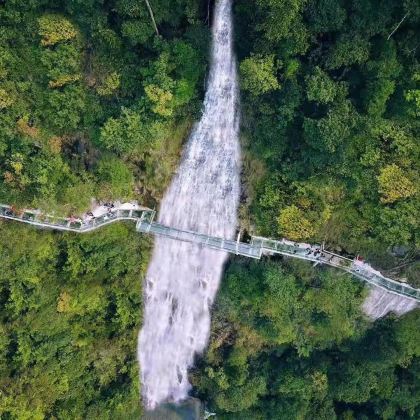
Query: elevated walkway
point(228, 245)
point(72, 224)
point(318, 255)
point(259, 246)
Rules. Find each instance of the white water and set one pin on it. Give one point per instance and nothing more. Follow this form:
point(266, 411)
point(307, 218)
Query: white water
point(182, 279)
point(380, 302)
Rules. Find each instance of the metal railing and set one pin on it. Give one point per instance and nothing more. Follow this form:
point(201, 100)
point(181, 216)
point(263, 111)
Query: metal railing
point(354, 267)
point(241, 248)
point(72, 224)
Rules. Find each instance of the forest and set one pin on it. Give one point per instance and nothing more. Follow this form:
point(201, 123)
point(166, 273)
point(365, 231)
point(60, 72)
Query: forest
point(95, 101)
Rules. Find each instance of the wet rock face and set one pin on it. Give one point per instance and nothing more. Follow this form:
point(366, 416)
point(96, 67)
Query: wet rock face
point(183, 278)
point(381, 302)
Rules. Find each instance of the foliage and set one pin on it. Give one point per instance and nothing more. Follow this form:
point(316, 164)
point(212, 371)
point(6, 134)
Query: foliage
point(76, 122)
point(122, 135)
point(71, 75)
point(340, 134)
point(339, 154)
point(394, 185)
point(54, 29)
point(68, 346)
point(94, 103)
point(259, 75)
point(322, 89)
point(290, 343)
point(294, 225)
point(117, 177)
point(111, 83)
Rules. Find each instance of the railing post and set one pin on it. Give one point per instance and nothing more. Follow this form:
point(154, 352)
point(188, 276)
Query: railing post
point(153, 216)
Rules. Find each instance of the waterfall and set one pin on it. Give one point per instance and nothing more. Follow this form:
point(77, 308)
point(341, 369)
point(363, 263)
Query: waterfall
point(380, 302)
point(182, 278)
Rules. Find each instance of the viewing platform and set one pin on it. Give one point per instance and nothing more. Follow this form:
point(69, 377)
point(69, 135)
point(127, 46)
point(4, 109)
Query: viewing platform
point(259, 246)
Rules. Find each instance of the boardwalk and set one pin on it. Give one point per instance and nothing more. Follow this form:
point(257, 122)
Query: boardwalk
point(259, 246)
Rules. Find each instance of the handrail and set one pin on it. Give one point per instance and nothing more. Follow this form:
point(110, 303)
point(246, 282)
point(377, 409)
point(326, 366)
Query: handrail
point(355, 267)
point(69, 224)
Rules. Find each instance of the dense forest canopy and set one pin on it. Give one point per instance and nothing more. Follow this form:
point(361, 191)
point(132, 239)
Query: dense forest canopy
point(94, 103)
point(290, 342)
point(331, 107)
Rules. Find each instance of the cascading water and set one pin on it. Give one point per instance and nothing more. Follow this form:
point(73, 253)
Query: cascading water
point(182, 279)
point(380, 302)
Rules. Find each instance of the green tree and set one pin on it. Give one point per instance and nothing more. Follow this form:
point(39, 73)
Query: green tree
point(125, 133)
point(110, 84)
point(5, 99)
point(55, 28)
point(413, 96)
point(394, 185)
point(326, 15)
point(294, 225)
point(137, 31)
point(117, 178)
point(321, 89)
point(328, 134)
point(348, 50)
point(65, 107)
point(258, 74)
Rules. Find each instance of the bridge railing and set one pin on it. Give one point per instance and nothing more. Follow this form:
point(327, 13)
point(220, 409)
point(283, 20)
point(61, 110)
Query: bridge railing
point(234, 247)
point(37, 218)
point(379, 280)
point(354, 267)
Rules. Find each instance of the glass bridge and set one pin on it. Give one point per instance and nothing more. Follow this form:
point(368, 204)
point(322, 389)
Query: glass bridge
point(259, 246)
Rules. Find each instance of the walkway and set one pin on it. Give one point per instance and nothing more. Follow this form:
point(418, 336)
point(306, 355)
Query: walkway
point(258, 247)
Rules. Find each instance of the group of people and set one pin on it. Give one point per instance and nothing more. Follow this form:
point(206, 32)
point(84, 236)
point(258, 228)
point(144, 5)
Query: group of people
point(312, 251)
point(90, 216)
point(317, 253)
